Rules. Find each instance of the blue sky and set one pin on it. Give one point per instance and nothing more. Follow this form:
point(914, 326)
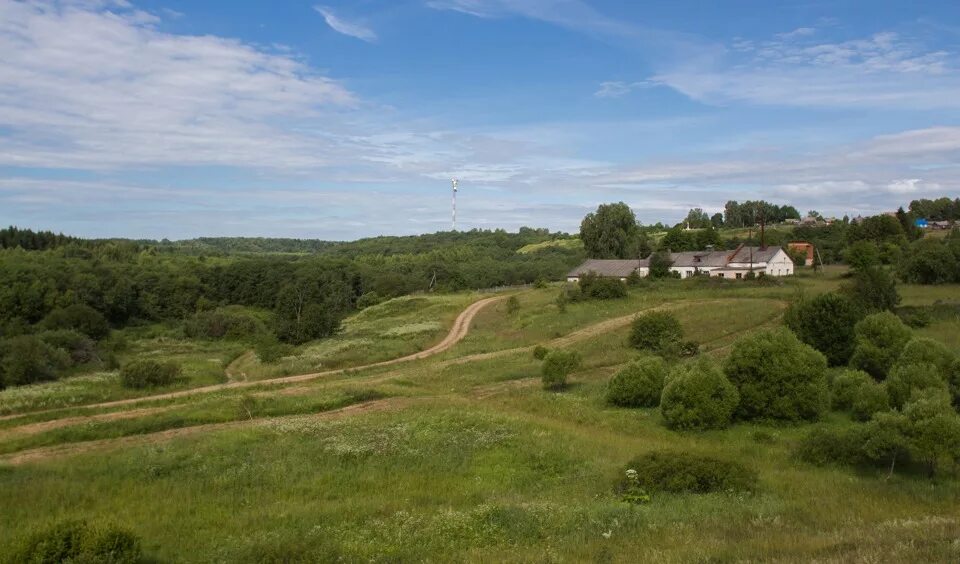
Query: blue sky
point(339, 119)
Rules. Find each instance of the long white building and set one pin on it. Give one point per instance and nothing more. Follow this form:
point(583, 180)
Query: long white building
point(771, 261)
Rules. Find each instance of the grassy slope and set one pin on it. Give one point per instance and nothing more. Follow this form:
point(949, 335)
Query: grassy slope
point(482, 465)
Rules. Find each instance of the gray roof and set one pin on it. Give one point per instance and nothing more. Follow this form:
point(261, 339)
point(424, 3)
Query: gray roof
point(760, 254)
point(606, 267)
point(700, 259)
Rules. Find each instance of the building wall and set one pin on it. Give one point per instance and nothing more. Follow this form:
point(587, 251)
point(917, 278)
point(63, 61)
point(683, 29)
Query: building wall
point(780, 265)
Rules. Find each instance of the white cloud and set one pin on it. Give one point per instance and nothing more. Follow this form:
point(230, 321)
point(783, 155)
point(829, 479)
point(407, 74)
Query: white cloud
point(572, 14)
point(85, 87)
point(340, 25)
point(619, 88)
point(883, 70)
point(904, 185)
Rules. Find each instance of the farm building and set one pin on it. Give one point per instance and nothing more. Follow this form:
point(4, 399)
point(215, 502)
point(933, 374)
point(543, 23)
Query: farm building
point(771, 261)
point(806, 248)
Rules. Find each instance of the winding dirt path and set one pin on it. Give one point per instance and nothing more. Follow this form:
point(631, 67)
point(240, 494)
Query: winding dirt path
point(461, 326)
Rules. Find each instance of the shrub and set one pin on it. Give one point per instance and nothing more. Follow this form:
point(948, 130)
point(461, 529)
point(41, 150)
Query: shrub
point(845, 387)
point(916, 318)
point(872, 289)
point(685, 472)
point(869, 399)
point(148, 374)
point(778, 377)
point(368, 299)
point(79, 542)
point(698, 396)
point(80, 348)
point(27, 359)
point(602, 288)
point(905, 379)
point(925, 350)
point(824, 445)
point(540, 283)
point(639, 384)
point(826, 323)
point(879, 341)
point(513, 305)
point(862, 255)
point(540, 352)
point(269, 349)
point(78, 317)
point(220, 324)
point(656, 331)
point(563, 298)
point(933, 430)
point(557, 365)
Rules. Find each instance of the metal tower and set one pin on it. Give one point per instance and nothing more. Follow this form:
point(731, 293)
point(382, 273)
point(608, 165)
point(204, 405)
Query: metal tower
point(455, 183)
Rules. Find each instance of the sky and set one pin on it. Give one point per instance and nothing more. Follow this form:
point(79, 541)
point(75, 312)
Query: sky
point(347, 119)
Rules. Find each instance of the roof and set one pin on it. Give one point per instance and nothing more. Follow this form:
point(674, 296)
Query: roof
point(608, 267)
point(760, 254)
point(700, 259)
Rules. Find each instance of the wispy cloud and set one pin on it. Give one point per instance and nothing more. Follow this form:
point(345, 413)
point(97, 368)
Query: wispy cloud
point(338, 24)
point(619, 88)
point(571, 14)
point(883, 70)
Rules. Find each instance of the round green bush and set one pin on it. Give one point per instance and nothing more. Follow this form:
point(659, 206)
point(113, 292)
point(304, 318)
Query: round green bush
point(925, 350)
point(905, 379)
point(826, 323)
point(685, 472)
point(656, 331)
point(639, 384)
point(778, 377)
point(868, 399)
point(79, 542)
point(27, 359)
point(698, 396)
point(845, 387)
point(148, 374)
point(540, 352)
point(879, 340)
point(557, 365)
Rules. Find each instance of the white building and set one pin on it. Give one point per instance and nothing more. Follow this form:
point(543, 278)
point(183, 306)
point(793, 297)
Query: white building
point(738, 263)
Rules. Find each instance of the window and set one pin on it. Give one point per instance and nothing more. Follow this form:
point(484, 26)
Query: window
point(739, 275)
point(720, 275)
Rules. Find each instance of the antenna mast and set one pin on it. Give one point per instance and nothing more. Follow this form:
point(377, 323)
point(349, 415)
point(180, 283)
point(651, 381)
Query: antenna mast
point(454, 182)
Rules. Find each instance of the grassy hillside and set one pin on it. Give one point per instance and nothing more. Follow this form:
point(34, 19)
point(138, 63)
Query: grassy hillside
point(461, 456)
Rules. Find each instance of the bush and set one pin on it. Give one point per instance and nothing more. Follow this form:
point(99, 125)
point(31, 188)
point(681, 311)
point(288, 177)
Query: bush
point(823, 445)
point(78, 317)
point(916, 318)
point(148, 374)
point(79, 542)
point(698, 396)
point(368, 299)
point(269, 349)
point(845, 387)
point(557, 365)
point(905, 379)
point(872, 289)
point(879, 340)
point(778, 377)
point(656, 331)
point(862, 255)
point(933, 430)
point(27, 359)
point(540, 352)
point(869, 399)
point(513, 305)
point(80, 348)
point(925, 350)
point(684, 472)
point(639, 384)
point(601, 288)
point(826, 323)
point(222, 324)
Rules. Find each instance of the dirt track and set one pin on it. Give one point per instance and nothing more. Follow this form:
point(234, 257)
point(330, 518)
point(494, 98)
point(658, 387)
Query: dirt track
point(461, 326)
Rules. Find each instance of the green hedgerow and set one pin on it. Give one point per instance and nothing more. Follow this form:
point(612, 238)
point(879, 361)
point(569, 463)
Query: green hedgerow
point(698, 396)
point(639, 384)
point(684, 472)
point(79, 542)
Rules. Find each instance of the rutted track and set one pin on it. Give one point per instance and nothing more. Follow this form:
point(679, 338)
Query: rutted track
point(461, 326)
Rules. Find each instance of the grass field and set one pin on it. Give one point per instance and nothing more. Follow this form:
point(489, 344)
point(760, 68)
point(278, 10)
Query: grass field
point(457, 457)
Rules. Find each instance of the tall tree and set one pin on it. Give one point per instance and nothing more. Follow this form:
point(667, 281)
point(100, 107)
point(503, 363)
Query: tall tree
point(610, 232)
